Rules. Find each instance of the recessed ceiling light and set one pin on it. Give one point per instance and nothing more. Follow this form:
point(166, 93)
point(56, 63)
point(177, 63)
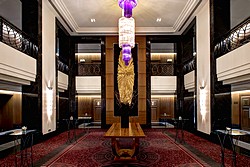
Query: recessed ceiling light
point(158, 19)
point(92, 20)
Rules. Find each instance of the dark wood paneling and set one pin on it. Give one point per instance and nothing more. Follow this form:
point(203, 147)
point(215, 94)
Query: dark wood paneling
point(85, 106)
point(189, 112)
point(154, 114)
point(10, 111)
point(148, 82)
point(103, 82)
point(167, 106)
point(63, 42)
point(31, 107)
point(72, 81)
point(220, 94)
point(97, 114)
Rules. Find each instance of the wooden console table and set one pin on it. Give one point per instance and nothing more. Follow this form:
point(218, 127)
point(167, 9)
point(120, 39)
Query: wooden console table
point(134, 132)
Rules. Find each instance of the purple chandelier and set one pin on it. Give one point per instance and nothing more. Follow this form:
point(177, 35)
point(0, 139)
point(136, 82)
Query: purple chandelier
point(127, 29)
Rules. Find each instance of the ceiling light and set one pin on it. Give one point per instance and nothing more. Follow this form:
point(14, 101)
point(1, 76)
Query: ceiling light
point(158, 19)
point(92, 20)
point(127, 29)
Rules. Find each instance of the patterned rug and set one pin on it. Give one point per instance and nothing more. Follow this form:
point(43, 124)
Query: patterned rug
point(156, 149)
point(210, 151)
point(47, 148)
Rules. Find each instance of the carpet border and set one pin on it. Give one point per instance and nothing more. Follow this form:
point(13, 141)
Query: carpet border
point(188, 152)
point(63, 152)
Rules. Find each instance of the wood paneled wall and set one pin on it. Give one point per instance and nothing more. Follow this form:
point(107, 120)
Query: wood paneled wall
point(10, 112)
point(236, 106)
point(163, 105)
point(141, 118)
point(110, 118)
point(167, 106)
point(85, 105)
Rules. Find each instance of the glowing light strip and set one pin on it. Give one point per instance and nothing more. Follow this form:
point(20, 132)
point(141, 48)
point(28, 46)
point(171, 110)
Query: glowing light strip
point(9, 92)
point(96, 96)
point(154, 96)
point(242, 91)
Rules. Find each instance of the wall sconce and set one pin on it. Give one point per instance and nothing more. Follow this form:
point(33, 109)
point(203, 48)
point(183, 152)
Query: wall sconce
point(202, 85)
point(50, 87)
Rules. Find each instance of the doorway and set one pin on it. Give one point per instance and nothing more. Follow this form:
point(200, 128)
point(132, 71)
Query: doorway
point(245, 113)
point(88, 57)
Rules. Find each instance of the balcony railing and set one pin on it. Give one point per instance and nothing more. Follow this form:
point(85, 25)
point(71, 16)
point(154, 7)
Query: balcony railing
point(189, 66)
point(235, 38)
point(14, 37)
point(62, 67)
point(162, 69)
point(89, 69)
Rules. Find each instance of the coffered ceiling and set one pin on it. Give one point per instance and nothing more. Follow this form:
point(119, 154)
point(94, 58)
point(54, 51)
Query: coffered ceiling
point(175, 15)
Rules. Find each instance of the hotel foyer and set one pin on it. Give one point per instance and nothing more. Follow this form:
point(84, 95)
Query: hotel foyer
point(153, 75)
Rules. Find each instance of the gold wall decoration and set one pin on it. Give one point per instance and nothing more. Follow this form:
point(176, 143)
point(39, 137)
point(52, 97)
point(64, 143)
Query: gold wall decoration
point(125, 79)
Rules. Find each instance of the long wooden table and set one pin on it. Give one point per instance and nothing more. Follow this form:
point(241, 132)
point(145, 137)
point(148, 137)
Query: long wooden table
point(134, 132)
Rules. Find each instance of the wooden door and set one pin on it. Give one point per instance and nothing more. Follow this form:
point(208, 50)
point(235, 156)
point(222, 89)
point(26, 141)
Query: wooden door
point(154, 114)
point(154, 110)
point(97, 114)
point(245, 113)
point(97, 110)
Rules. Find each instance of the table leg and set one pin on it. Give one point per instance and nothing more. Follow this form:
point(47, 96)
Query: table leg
point(176, 131)
point(68, 126)
point(125, 154)
point(136, 148)
point(182, 132)
point(22, 145)
point(234, 151)
point(115, 147)
point(222, 149)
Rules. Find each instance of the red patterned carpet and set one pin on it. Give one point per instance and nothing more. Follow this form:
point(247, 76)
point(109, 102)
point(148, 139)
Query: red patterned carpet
point(157, 149)
point(42, 149)
point(212, 150)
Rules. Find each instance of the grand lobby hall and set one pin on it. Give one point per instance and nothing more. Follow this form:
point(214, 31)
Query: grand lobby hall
point(157, 83)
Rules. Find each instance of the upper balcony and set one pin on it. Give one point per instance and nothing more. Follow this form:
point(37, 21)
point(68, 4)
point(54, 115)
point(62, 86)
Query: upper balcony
point(233, 39)
point(233, 60)
point(18, 55)
point(16, 38)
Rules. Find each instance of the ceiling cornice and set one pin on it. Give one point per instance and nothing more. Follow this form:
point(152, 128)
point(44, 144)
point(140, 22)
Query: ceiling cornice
point(185, 14)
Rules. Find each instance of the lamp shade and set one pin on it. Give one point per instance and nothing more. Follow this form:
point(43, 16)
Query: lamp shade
point(126, 31)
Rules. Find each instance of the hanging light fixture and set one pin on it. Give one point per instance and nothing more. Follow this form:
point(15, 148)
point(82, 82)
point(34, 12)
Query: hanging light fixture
point(127, 29)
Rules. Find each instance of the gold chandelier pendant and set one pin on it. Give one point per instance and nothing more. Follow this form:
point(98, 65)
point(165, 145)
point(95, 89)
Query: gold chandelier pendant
point(125, 79)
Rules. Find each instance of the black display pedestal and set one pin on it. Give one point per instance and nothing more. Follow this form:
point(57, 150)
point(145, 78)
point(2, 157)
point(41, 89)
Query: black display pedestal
point(125, 116)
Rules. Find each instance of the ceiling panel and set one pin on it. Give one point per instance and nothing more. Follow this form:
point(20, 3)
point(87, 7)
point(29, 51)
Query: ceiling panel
point(174, 14)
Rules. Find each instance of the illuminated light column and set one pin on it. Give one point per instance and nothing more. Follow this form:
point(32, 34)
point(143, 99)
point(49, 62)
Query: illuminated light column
point(49, 103)
point(203, 104)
